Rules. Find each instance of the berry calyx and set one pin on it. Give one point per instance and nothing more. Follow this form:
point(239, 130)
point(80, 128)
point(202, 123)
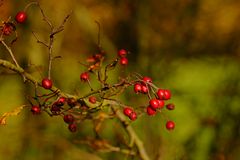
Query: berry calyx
point(170, 125)
point(124, 61)
point(127, 111)
point(137, 88)
point(21, 17)
point(133, 116)
point(36, 110)
point(68, 118)
point(92, 99)
point(151, 111)
point(170, 106)
point(72, 127)
point(46, 83)
point(122, 52)
point(147, 79)
point(154, 103)
point(84, 76)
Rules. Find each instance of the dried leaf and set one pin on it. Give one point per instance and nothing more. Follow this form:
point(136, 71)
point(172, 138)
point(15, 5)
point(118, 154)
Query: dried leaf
point(14, 112)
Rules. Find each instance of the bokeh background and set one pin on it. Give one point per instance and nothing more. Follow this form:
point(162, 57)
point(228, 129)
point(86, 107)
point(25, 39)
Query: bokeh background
point(189, 46)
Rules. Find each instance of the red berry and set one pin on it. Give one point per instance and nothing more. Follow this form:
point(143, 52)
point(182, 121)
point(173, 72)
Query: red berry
point(144, 89)
point(122, 52)
point(170, 125)
point(84, 76)
point(133, 116)
point(151, 111)
point(123, 61)
point(127, 111)
point(147, 79)
point(68, 118)
point(46, 83)
point(72, 127)
point(137, 87)
point(36, 110)
point(167, 94)
point(21, 17)
point(161, 94)
point(61, 101)
point(170, 106)
point(8, 28)
point(161, 103)
point(92, 99)
point(154, 103)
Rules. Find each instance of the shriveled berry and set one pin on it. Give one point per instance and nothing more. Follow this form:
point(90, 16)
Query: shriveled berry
point(71, 102)
point(72, 127)
point(154, 103)
point(133, 116)
point(55, 109)
point(36, 110)
point(144, 89)
point(127, 111)
point(170, 106)
point(167, 94)
point(170, 125)
point(21, 17)
point(137, 88)
point(122, 52)
point(92, 99)
point(8, 28)
point(124, 61)
point(47, 83)
point(161, 94)
point(161, 103)
point(84, 76)
point(151, 111)
point(147, 79)
point(68, 118)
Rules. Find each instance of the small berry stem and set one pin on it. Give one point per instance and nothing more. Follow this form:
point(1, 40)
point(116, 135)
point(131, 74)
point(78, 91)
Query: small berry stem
point(29, 4)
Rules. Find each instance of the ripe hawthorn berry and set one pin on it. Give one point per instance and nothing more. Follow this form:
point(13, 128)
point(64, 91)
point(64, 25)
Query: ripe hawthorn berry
point(133, 116)
point(36, 110)
point(124, 61)
point(122, 52)
point(167, 94)
point(21, 17)
point(161, 103)
point(144, 89)
point(68, 118)
point(154, 103)
point(170, 106)
point(170, 125)
point(47, 83)
point(127, 111)
point(72, 127)
point(84, 76)
point(137, 88)
point(60, 101)
point(147, 79)
point(151, 111)
point(92, 99)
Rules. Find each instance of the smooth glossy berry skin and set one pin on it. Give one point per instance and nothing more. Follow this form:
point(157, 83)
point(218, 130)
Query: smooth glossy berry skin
point(124, 61)
point(84, 76)
point(122, 53)
point(160, 94)
point(151, 111)
point(161, 103)
point(133, 116)
point(61, 101)
point(137, 88)
point(154, 103)
point(167, 94)
point(92, 99)
point(147, 79)
point(127, 111)
point(47, 83)
point(36, 110)
point(144, 89)
point(21, 17)
point(68, 118)
point(170, 125)
point(72, 127)
point(170, 106)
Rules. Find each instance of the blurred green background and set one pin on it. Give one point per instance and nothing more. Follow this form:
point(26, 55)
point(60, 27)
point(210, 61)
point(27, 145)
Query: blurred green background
point(191, 47)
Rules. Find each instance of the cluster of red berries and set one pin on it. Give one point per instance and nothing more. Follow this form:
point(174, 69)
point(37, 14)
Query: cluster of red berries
point(69, 119)
point(144, 86)
point(122, 53)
